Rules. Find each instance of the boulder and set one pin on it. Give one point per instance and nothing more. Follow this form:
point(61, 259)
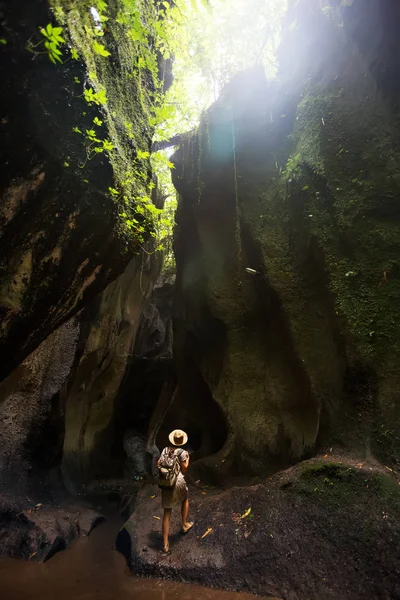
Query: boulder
point(326, 528)
point(38, 532)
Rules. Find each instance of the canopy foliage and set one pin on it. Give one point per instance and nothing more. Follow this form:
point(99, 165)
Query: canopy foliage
point(208, 41)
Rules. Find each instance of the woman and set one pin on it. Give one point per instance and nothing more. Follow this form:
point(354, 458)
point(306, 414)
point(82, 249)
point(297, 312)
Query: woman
point(179, 493)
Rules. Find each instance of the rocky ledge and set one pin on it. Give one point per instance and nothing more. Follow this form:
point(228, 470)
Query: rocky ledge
point(326, 528)
point(37, 531)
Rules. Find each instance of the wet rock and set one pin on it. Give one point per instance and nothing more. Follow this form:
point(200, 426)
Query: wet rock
point(36, 519)
point(138, 463)
point(31, 413)
point(38, 532)
point(323, 529)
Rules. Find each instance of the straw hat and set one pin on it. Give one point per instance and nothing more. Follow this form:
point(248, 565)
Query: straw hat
point(178, 437)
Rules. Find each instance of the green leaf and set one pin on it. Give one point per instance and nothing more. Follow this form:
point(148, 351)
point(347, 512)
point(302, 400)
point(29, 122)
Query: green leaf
point(97, 98)
point(136, 35)
point(107, 145)
point(101, 5)
point(305, 188)
point(49, 29)
point(77, 80)
point(58, 39)
point(101, 97)
point(3, 42)
point(89, 94)
point(97, 122)
point(100, 49)
point(152, 209)
point(54, 49)
point(74, 54)
point(143, 154)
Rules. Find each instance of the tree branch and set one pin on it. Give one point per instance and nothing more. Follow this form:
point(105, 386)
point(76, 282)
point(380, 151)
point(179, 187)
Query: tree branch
point(174, 141)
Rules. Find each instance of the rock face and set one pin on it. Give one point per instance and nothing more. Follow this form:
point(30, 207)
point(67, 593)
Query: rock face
point(31, 414)
point(323, 529)
point(62, 408)
point(283, 333)
point(61, 235)
point(36, 517)
point(287, 247)
point(149, 385)
point(92, 445)
point(40, 531)
point(65, 238)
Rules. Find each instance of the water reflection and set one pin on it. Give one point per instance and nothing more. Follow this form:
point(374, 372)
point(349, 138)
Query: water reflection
point(92, 570)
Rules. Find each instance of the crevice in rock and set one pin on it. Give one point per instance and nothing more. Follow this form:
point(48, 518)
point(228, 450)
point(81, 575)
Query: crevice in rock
point(195, 411)
point(266, 315)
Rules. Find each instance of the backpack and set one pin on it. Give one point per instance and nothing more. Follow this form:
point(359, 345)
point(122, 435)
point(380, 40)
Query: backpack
point(169, 468)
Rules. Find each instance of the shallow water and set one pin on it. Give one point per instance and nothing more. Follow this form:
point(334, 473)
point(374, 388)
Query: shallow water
point(92, 570)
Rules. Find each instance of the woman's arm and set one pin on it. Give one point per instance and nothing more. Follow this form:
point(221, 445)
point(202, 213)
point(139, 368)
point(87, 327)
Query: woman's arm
point(185, 464)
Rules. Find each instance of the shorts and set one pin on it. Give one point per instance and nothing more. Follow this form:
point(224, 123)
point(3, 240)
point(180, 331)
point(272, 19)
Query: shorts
point(176, 496)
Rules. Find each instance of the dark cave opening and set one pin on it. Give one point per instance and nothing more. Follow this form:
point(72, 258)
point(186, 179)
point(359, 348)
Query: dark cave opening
point(143, 385)
point(190, 407)
point(195, 411)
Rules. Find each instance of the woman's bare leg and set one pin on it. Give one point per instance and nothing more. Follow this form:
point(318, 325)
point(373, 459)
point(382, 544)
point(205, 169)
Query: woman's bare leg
point(185, 511)
point(165, 528)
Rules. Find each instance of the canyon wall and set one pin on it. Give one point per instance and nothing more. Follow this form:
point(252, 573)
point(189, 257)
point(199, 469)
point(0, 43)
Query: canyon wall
point(287, 245)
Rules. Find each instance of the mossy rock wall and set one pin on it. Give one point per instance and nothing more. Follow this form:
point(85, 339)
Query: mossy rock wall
point(62, 238)
point(296, 180)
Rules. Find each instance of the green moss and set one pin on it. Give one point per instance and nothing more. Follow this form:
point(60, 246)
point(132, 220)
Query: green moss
point(317, 204)
point(349, 167)
point(128, 79)
point(341, 485)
